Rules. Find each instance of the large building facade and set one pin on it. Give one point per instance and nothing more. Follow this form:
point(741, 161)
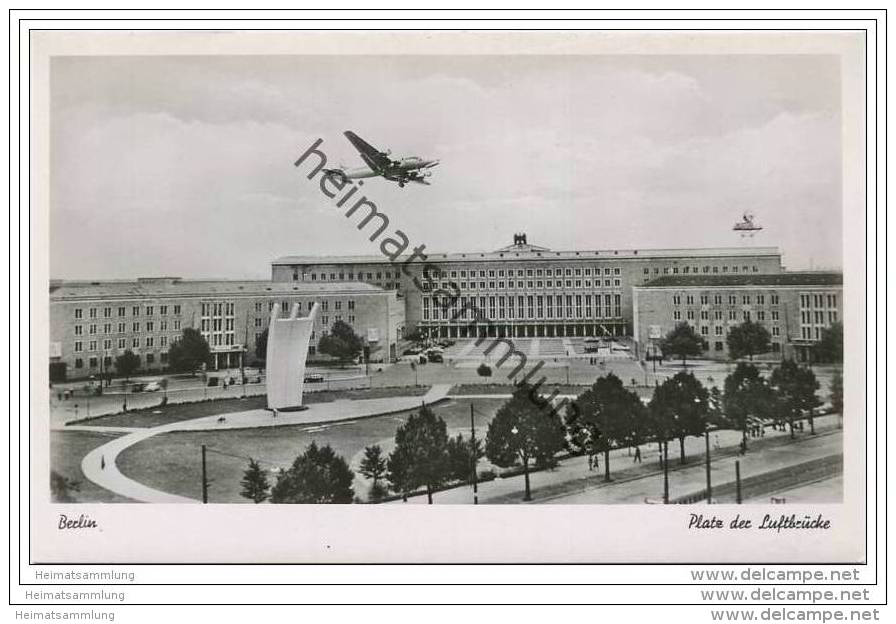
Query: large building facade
point(91, 323)
point(795, 308)
point(524, 290)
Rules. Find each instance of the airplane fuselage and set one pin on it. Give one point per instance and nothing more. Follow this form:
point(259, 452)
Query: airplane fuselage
point(403, 170)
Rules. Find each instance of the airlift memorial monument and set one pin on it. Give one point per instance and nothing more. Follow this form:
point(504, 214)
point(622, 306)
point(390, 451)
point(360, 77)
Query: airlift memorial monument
point(287, 351)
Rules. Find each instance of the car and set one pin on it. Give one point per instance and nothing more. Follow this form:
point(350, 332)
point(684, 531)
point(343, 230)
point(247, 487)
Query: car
point(422, 359)
point(314, 378)
point(436, 357)
point(138, 387)
point(153, 386)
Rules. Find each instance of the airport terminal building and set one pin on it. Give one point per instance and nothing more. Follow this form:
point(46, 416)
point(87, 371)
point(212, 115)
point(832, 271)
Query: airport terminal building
point(93, 322)
point(794, 307)
point(525, 290)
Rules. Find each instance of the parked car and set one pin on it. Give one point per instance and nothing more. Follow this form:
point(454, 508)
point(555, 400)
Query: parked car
point(314, 378)
point(422, 359)
point(436, 357)
point(138, 387)
point(153, 386)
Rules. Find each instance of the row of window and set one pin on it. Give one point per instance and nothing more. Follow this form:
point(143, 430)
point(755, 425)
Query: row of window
point(324, 319)
point(343, 276)
point(558, 272)
point(528, 285)
point(732, 299)
point(818, 317)
point(122, 311)
point(529, 307)
point(123, 343)
point(285, 306)
point(93, 361)
point(732, 315)
point(705, 269)
point(818, 301)
point(121, 328)
point(216, 308)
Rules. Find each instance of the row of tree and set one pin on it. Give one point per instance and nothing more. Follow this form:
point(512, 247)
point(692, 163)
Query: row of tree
point(746, 340)
point(527, 431)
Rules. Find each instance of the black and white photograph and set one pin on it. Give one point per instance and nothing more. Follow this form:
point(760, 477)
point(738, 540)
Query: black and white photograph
point(411, 275)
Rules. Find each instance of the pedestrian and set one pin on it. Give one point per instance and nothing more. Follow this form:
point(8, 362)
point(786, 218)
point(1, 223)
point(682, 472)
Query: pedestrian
point(596, 462)
point(590, 462)
point(743, 447)
point(637, 454)
point(716, 442)
point(102, 462)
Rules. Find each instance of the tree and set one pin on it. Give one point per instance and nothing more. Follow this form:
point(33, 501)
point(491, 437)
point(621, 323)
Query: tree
point(420, 457)
point(414, 336)
point(261, 347)
point(679, 408)
point(748, 339)
point(373, 467)
point(342, 342)
point(463, 457)
point(602, 418)
point(189, 352)
point(837, 393)
point(683, 341)
point(255, 483)
point(747, 397)
point(316, 476)
point(524, 428)
point(127, 364)
point(61, 488)
point(795, 389)
point(830, 348)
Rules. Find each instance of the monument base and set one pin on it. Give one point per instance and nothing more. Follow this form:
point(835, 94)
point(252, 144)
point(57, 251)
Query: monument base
point(297, 408)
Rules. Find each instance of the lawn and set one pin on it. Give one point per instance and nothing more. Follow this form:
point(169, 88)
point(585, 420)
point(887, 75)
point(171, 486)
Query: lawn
point(171, 461)
point(67, 449)
point(176, 412)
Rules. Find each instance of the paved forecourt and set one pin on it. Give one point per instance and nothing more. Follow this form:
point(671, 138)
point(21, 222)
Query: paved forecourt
point(100, 464)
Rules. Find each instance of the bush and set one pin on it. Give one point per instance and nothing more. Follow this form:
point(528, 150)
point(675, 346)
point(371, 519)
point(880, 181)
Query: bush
point(487, 475)
point(484, 370)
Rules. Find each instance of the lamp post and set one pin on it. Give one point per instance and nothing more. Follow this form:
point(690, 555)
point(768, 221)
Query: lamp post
point(666, 472)
point(473, 456)
point(527, 496)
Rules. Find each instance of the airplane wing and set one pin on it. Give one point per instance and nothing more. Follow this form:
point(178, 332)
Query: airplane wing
point(375, 159)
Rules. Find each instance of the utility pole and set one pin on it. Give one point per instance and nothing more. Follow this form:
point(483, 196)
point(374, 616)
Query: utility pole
point(204, 480)
point(738, 497)
point(708, 470)
point(666, 472)
point(473, 455)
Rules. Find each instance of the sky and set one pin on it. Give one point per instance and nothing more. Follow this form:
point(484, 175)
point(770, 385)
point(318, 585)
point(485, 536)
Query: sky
point(184, 165)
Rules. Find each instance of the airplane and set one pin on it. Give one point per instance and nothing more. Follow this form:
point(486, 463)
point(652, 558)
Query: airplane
point(404, 170)
point(747, 225)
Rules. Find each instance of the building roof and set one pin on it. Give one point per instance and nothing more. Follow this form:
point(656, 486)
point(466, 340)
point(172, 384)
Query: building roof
point(533, 252)
point(176, 287)
point(794, 278)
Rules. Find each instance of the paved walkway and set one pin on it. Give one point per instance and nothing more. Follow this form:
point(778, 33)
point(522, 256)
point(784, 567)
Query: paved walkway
point(100, 464)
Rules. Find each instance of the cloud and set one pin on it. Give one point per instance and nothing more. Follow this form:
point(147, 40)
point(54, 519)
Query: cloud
point(184, 165)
